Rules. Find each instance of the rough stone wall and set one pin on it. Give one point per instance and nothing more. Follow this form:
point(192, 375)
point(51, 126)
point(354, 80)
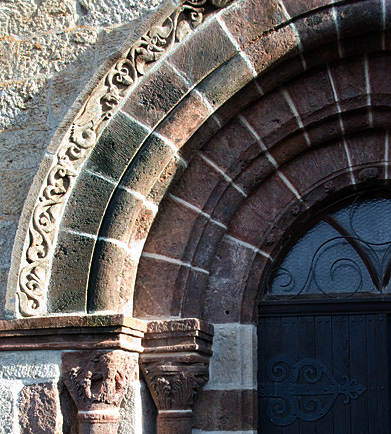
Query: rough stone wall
point(49, 50)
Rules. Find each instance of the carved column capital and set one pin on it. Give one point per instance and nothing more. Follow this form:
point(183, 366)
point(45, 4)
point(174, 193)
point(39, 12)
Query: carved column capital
point(175, 364)
point(174, 384)
point(97, 380)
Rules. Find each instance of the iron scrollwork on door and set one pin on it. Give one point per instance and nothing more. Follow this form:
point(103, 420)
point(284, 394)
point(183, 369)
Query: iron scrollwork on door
point(304, 390)
point(345, 253)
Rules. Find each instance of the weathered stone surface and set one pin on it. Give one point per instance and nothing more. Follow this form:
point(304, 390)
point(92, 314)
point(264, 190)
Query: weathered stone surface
point(109, 12)
point(71, 332)
point(29, 146)
point(38, 409)
point(30, 365)
point(234, 359)
point(195, 67)
point(226, 410)
point(14, 188)
point(7, 233)
point(3, 283)
point(23, 103)
point(8, 392)
point(226, 81)
point(138, 412)
point(68, 411)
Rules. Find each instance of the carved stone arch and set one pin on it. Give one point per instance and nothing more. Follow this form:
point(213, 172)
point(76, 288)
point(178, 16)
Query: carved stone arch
point(166, 192)
point(121, 151)
point(230, 223)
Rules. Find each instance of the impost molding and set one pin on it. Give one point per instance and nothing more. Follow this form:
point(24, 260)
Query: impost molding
point(73, 332)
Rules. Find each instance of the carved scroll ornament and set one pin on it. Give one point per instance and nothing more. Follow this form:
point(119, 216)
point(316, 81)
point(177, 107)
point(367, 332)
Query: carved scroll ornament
point(81, 138)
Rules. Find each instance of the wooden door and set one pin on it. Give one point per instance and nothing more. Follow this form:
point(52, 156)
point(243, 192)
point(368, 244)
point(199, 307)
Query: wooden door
point(324, 374)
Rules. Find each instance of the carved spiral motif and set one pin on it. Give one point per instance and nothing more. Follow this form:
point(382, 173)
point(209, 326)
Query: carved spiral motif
point(81, 138)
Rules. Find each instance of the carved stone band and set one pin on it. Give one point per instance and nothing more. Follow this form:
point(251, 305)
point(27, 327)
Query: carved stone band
point(102, 416)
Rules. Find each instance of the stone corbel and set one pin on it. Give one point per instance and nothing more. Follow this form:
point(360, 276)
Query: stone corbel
point(175, 364)
point(97, 381)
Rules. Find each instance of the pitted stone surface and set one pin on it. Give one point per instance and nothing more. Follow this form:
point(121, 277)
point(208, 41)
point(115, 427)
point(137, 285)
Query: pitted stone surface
point(38, 409)
point(8, 392)
point(109, 12)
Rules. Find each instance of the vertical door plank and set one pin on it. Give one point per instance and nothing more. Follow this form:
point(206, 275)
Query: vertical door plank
point(377, 374)
point(382, 367)
point(272, 345)
point(289, 341)
point(324, 354)
point(263, 326)
point(306, 333)
point(341, 367)
point(359, 369)
point(372, 374)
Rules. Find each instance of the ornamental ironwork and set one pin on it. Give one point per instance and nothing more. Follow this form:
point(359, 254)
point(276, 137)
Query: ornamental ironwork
point(304, 390)
point(346, 253)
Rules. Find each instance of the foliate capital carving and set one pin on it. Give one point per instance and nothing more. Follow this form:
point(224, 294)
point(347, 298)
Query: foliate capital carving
point(97, 380)
point(175, 362)
point(174, 385)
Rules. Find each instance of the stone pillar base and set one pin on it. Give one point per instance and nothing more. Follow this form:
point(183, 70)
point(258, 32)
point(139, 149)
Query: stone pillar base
point(174, 421)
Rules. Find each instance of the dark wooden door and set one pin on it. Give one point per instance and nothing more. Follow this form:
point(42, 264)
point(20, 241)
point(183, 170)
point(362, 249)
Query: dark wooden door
point(324, 374)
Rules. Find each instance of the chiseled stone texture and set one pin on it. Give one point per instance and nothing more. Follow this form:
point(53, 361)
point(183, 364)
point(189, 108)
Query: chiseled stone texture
point(38, 409)
point(28, 385)
point(234, 361)
point(30, 365)
point(49, 50)
point(8, 404)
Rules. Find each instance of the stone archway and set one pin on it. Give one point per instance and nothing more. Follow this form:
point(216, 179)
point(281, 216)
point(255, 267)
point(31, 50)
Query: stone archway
point(173, 88)
point(198, 147)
